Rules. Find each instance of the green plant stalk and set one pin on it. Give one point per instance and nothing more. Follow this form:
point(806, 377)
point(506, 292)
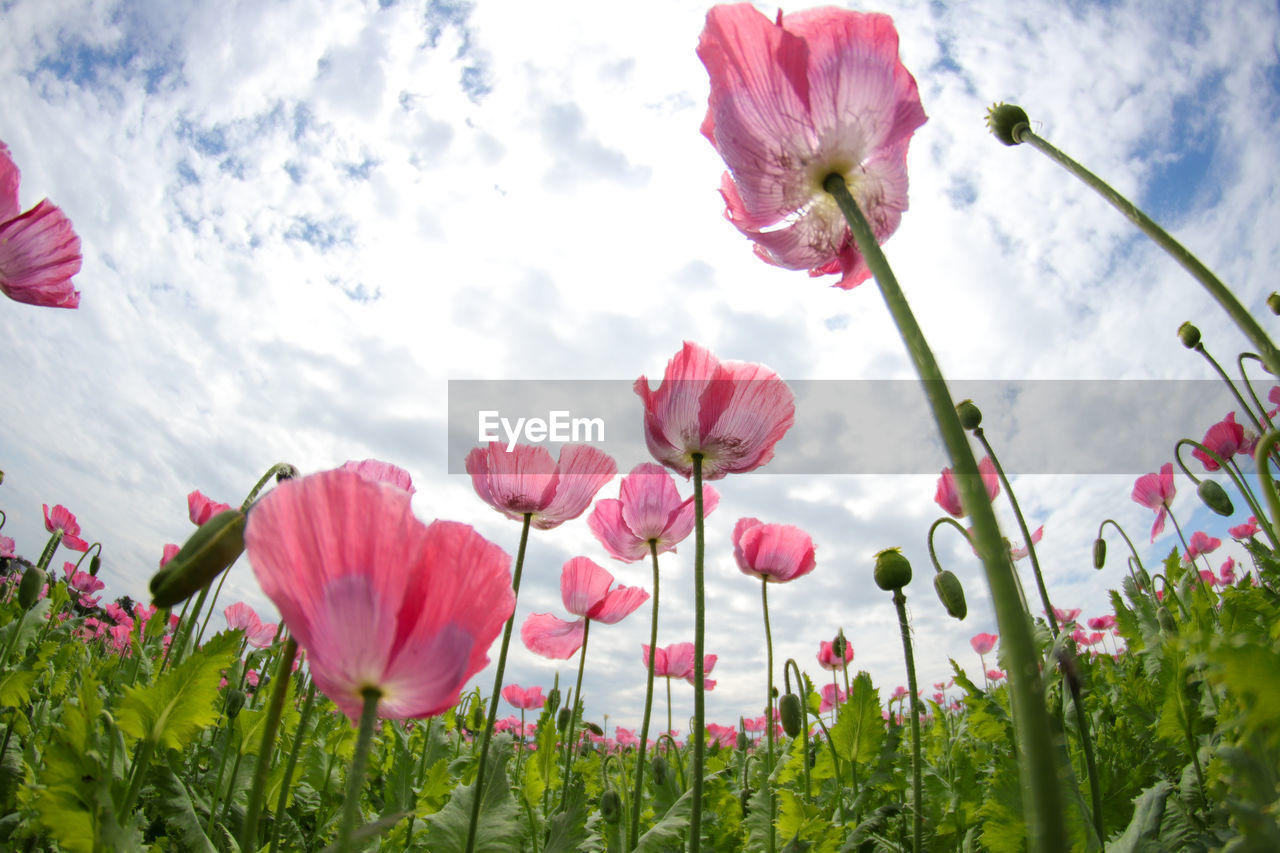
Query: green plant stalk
point(633, 833)
point(1128, 541)
point(13, 641)
point(262, 481)
point(1086, 744)
point(279, 689)
point(835, 762)
point(217, 787)
point(177, 648)
point(573, 717)
point(917, 781)
point(212, 604)
point(497, 686)
point(141, 760)
point(1265, 445)
point(1022, 526)
point(768, 714)
point(1219, 291)
point(1266, 418)
point(1041, 791)
point(359, 764)
point(46, 556)
point(1213, 362)
point(164, 659)
point(699, 632)
point(804, 730)
point(283, 802)
point(1192, 564)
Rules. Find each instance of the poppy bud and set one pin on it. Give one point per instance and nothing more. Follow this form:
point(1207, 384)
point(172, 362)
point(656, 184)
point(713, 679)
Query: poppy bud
point(477, 718)
point(209, 552)
point(1189, 335)
point(562, 719)
point(594, 729)
point(792, 715)
point(1099, 552)
point(95, 563)
point(1215, 497)
point(743, 741)
point(839, 645)
point(33, 580)
point(286, 472)
point(1008, 123)
point(951, 594)
point(1166, 620)
point(235, 701)
point(892, 570)
point(970, 415)
point(610, 806)
point(1273, 302)
point(553, 699)
point(659, 765)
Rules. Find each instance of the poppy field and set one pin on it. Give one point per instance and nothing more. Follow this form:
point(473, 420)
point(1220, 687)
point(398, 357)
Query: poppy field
point(349, 724)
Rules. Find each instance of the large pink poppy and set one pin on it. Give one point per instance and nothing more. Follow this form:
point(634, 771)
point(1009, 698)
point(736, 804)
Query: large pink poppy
point(39, 250)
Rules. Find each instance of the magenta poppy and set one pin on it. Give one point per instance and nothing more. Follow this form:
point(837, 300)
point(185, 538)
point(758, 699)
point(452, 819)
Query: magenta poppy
point(525, 700)
point(995, 674)
point(377, 598)
point(382, 472)
point(201, 509)
point(983, 643)
point(832, 698)
point(1227, 572)
point(1225, 438)
point(676, 661)
point(7, 546)
point(1244, 531)
point(1103, 623)
point(585, 588)
point(947, 495)
point(731, 413)
point(793, 100)
point(1201, 543)
point(61, 521)
point(726, 736)
point(829, 660)
point(1066, 617)
point(648, 509)
point(1156, 491)
point(525, 480)
point(774, 553)
point(39, 250)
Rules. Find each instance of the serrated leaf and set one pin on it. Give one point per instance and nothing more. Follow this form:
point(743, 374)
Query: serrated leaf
point(177, 706)
point(499, 828)
point(1143, 832)
point(15, 689)
point(178, 812)
point(859, 730)
point(566, 830)
point(668, 831)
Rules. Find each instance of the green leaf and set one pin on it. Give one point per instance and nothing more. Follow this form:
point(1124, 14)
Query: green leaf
point(567, 829)
point(177, 706)
point(859, 731)
point(177, 811)
point(499, 828)
point(668, 832)
point(1142, 835)
point(15, 689)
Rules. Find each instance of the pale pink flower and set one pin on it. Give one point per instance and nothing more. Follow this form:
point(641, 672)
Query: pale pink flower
point(829, 660)
point(1244, 531)
point(170, 551)
point(1103, 623)
point(257, 633)
point(731, 413)
point(983, 643)
point(676, 661)
point(796, 99)
point(527, 700)
point(60, 519)
point(7, 546)
point(251, 678)
point(947, 494)
point(39, 250)
point(625, 737)
point(1156, 491)
point(995, 674)
point(375, 597)
point(1201, 543)
point(1017, 552)
point(382, 472)
point(526, 480)
point(1224, 438)
point(648, 509)
point(1227, 571)
point(1066, 617)
point(585, 590)
point(201, 509)
point(774, 553)
point(832, 697)
point(726, 736)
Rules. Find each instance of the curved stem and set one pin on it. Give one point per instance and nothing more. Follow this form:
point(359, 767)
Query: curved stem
point(1128, 541)
point(917, 782)
point(249, 833)
point(1191, 564)
point(286, 785)
point(804, 729)
point(274, 471)
point(573, 716)
point(1248, 384)
point(633, 834)
point(359, 763)
point(1041, 793)
point(1236, 479)
point(946, 519)
point(1235, 392)
point(497, 686)
point(1261, 453)
point(1219, 291)
point(1022, 525)
point(768, 713)
point(699, 632)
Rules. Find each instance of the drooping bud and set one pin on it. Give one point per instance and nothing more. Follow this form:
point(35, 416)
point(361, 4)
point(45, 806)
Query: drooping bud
point(1273, 302)
point(1008, 122)
point(1166, 620)
point(892, 570)
point(33, 580)
point(286, 472)
point(209, 552)
point(970, 415)
point(562, 719)
point(951, 594)
point(593, 728)
point(235, 701)
point(610, 806)
point(1215, 497)
point(95, 563)
point(659, 765)
point(1189, 335)
point(792, 714)
point(1099, 552)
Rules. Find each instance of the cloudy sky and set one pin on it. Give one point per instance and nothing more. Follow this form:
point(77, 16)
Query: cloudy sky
point(302, 221)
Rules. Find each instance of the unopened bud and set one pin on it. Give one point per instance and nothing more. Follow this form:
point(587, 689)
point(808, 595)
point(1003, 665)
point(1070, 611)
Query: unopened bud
point(477, 718)
point(95, 563)
point(209, 552)
point(235, 701)
point(1008, 122)
point(970, 415)
point(659, 766)
point(593, 728)
point(286, 472)
point(839, 645)
point(1166, 620)
point(743, 740)
point(1189, 335)
point(1273, 302)
point(951, 594)
point(562, 720)
point(792, 715)
point(553, 699)
point(1215, 497)
point(610, 806)
point(33, 580)
point(892, 570)
point(1099, 552)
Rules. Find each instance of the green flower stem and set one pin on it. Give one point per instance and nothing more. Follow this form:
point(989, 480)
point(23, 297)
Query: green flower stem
point(835, 763)
point(209, 612)
point(917, 781)
point(217, 787)
point(633, 835)
point(359, 764)
point(1235, 392)
point(141, 760)
point(1022, 526)
point(946, 519)
point(1248, 384)
point(50, 547)
point(497, 686)
point(1128, 541)
point(298, 738)
point(573, 716)
point(164, 660)
point(274, 471)
point(1041, 791)
point(1237, 479)
point(1191, 565)
point(1086, 744)
point(249, 832)
point(177, 648)
point(699, 630)
point(1265, 445)
point(1219, 291)
point(804, 729)
point(768, 714)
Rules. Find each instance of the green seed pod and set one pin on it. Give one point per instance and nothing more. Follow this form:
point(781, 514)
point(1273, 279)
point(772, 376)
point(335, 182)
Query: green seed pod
point(892, 570)
point(562, 720)
point(477, 717)
point(594, 729)
point(1008, 122)
point(1273, 302)
point(208, 553)
point(33, 580)
point(970, 415)
point(95, 563)
point(839, 645)
point(743, 740)
point(553, 700)
point(660, 769)
point(792, 714)
point(1166, 620)
point(1215, 497)
point(235, 701)
point(1099, 552)
point(1189, 335)
point(610, 806)
point(951, 594)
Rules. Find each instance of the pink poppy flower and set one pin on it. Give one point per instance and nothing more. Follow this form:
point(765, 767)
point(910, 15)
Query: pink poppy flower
point(899, 692)
point(258, 634)
point(648, 509)
point(1244, 531)
point(1227, 571)
point(39, 250)
point(1066, 617)
point(118, 614)
point(1156, 491)
point(1017, 552)
point(1224, 438)
point(1080, 636)
point(731, 412)
point(832, 697)
point(947, 495)
point(170, 551)
point(251, 678)
point(794, 100)
point(585, 590)
point(726, 736)
point(1273, 396)
point(625, 737)
point(1103, 623)
point(676, 661)
point(527, 700)
point(7, 546)
point(382, 472)
point(1201, 543)
point(201, 508)
point(984, 643)
point(772, 552)
point(827, 658)
point(60, 520)
point(995, 674)
point(526, 480)
point(122, 638)
point(83, 582)
point(375, 597)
